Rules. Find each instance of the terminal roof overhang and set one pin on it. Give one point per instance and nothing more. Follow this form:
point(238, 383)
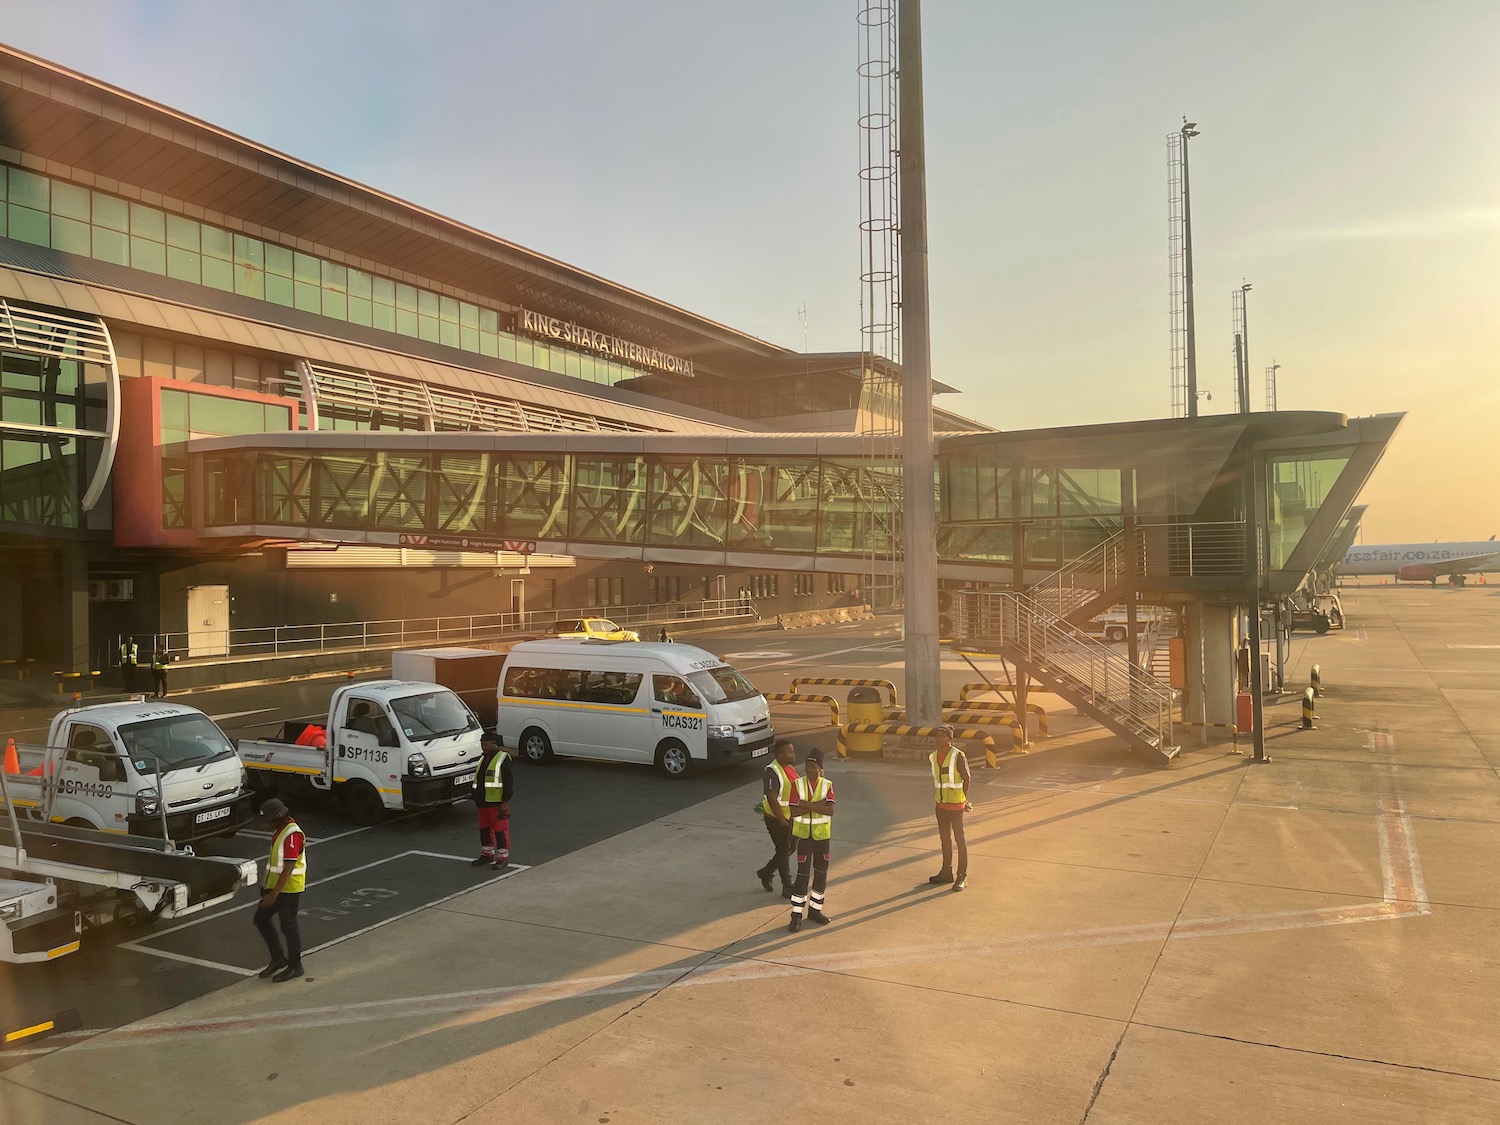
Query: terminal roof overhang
point(50, 114)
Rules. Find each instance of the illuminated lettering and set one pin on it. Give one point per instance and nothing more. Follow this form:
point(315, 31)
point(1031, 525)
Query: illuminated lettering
point(589, 339)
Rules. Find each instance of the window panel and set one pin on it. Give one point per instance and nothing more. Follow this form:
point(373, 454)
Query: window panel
point(147, 255)
point(71, 236)
point(111, 213)
point(488, 345)
point(307, 269)
point(111, 246)
point(383, 317)
point(427, 328)
point(359, 311)
point(70, 201)
point(468, 315)
point(28, 189)
point(218, 272)
point(307, 296)
point(27, 225)
point(468, 339)
point(183, 233)
point(383, 291)
point(184, 265)
point(278, 261)
point(279, 289)
point(427, 303)
point(359, 284)
point(148, 222)
point(448, 334)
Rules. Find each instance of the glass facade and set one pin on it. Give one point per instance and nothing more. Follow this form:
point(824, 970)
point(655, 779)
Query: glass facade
point(195, 414)
point(1296, 488)
point(46, 211)
point(797, 506)
point(41, 470)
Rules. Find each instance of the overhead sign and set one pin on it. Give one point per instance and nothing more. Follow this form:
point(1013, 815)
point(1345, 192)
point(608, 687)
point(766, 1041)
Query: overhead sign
point(462, 543)
point(551, 328)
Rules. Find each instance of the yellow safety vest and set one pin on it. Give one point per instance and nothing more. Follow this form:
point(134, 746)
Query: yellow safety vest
point(299, 865)
point(784, 799)
point(816, 826)
point(946, 779)
point(493, 782)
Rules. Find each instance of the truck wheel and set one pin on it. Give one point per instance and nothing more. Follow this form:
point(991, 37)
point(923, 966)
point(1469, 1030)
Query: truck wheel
point(76, 822)
point(536, 747)
point(673, 760)
point(1114, 634)
point(363, 803)
point(1320, 625)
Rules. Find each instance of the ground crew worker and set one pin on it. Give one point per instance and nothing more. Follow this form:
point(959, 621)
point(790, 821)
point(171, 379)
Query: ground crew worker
point(493, 789)
point(775, 812)
point(812, 828)
point(950, 780)
point(129, 658)
point(159, 661)
point(286, 876)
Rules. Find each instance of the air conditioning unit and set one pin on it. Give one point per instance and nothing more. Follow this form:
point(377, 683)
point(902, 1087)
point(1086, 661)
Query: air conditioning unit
point(112, 590)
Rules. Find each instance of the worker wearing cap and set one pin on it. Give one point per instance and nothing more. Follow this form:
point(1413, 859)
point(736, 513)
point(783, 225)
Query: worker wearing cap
point(812, 829)
point(950, 780)
point(286, 876)
point(775, 812)
point(493, 789)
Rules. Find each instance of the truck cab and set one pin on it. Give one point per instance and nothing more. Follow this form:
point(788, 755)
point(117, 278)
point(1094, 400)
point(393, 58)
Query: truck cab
point(138, 768)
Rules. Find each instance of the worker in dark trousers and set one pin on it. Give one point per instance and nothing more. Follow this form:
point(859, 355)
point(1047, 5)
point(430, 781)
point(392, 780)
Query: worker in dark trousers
point(159, 661)
point(130, 656)
point(281, 894)
point(812, 828)
point(950, 780)
point(493, 788)
point(775, 812)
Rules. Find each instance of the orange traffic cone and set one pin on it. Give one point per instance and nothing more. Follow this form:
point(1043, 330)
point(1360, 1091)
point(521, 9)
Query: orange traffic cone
point(12, 759)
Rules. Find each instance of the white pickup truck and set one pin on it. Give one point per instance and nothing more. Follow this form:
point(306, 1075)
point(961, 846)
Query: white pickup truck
point(143, 768)
point(386, 745)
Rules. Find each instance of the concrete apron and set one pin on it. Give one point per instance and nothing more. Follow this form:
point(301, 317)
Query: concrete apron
point(1196, 944)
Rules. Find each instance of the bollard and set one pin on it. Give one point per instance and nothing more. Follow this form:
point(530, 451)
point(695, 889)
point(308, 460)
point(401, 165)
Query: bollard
point(1307, 709)
point(1317, 680)
point(864, 707)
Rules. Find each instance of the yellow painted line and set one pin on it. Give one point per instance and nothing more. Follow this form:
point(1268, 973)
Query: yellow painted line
point(611, 708)
point(34, 1029)
point(71, 947)
point(282, 769)
point(388, 791)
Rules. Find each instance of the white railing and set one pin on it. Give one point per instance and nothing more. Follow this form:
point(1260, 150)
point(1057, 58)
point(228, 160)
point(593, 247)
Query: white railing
point(1135, 699)
point(1192, 550)
point(1076, 583)
point(292, 640)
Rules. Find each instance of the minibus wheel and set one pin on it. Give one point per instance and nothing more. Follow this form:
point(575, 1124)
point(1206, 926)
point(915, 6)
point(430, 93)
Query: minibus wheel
point(536, 747)
point(672, 759)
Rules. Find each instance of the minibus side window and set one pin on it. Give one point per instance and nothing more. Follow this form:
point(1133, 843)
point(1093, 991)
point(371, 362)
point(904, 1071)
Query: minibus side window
point(612, 687)
point(673, 691)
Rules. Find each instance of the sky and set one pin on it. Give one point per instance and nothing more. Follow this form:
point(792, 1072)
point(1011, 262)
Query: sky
point(706, 153)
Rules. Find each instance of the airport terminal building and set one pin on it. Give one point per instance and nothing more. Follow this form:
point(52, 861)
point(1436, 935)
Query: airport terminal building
point(163, 281)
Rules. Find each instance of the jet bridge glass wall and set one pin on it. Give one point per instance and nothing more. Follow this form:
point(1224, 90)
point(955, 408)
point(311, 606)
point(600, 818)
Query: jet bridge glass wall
point(797, 506)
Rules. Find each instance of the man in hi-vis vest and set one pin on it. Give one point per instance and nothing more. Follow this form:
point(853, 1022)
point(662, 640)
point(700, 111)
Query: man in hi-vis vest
point(286, 876)
point(812, 828)
point(493, 789)
point(775, 811)
point(950, 781)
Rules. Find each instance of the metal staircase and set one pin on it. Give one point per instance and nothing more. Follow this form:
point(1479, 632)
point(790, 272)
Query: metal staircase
point(1079, 590)
point(1096, 679)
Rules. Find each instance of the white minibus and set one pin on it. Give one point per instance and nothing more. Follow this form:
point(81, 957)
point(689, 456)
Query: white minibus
point(671, 705)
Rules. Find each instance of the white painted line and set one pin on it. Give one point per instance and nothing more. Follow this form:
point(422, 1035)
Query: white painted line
point(1486, 647)
point(219, 965)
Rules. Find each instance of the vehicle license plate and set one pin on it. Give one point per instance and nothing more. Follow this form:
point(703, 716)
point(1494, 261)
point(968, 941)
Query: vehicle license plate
point(761, 753)
point(212, 814)
point(463, 782)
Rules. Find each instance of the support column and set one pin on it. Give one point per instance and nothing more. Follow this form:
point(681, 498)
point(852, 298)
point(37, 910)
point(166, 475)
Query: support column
point(1192, 658)
point(1219, 670)
point(75, 607)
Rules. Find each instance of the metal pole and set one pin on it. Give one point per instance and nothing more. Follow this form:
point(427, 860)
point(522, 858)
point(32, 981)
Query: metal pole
point(919, 523)
point(1252, 590)
point(1244, 349)
point(1191, 354)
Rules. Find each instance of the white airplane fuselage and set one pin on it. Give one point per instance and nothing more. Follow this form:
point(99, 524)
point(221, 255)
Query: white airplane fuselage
point(1421, 562)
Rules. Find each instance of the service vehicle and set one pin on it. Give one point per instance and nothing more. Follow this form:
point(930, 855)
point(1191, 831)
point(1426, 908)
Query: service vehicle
point(1320, 614)
point(470, 673)
point(141, 768)
point(386, 745)
point(595, 628)
point(671, 705)
point(54, 877)
point(1114, 623)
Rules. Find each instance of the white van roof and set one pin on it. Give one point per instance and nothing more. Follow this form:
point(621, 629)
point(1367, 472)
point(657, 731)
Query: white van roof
point(580, 652)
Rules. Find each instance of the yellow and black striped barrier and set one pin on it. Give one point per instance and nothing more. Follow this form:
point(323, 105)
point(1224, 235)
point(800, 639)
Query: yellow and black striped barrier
point(795, 697)
point(1307, 710)
point(64, 677)
point(1043, 723)
point(1317, 680)
point(19, 1036)
point(828, 681)
point(1233, 729)
point(916, 730)
point(964, 718)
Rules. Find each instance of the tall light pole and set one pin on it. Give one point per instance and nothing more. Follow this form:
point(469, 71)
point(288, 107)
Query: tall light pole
point(1242, 346)
point(919, 524)
point(1271, 386)
point(1189, 130)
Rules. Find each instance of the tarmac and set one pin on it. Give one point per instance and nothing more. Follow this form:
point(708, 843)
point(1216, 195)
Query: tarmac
point(1306, 940)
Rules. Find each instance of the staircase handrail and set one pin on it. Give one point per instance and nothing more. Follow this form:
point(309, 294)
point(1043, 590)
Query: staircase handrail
point(1105, 560)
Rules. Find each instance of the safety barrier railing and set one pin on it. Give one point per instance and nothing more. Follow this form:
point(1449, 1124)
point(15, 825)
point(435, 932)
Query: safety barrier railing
point(913, 730)
point(827, 681)
point(405, 632)
point(1076, 583)
point(796, 697)
point(1132, 697)
point(1192, 550)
